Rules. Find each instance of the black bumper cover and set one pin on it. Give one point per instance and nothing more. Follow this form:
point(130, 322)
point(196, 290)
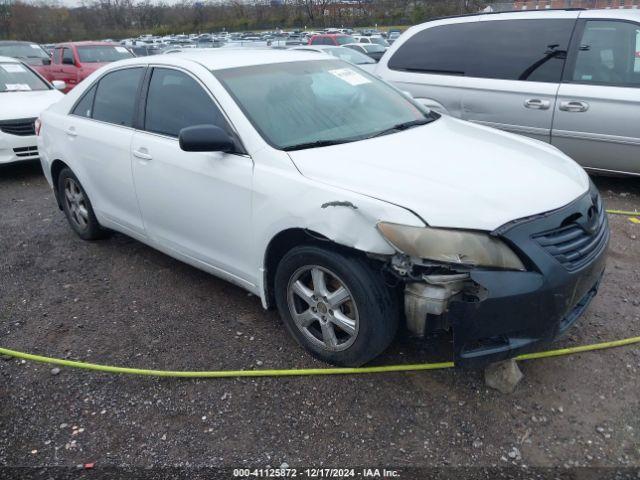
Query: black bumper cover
point(524, 310)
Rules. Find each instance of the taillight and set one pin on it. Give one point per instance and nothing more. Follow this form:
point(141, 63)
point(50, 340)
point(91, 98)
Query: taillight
point(37, 124)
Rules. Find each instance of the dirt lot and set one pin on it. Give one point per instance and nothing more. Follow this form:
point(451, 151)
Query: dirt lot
point(119, 302)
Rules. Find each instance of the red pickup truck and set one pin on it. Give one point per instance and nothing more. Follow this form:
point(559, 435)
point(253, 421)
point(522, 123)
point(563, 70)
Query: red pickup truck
point(73, 62)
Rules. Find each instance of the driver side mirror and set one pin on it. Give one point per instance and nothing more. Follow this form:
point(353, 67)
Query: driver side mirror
point(206, 138)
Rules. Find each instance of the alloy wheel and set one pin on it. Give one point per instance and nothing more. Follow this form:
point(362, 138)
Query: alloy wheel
point(323, 308)
point(76, 203)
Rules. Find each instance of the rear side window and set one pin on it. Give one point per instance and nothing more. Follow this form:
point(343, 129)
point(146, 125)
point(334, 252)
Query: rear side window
point(608, 54)
point(115, 98)
point(85, 106)
point(176, 101)
point(533, 50)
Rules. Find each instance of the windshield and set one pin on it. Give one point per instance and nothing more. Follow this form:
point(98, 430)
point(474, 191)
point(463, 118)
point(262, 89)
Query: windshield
point(379, 41)
point(296, 103)
point(102, 54)
point(344, 39)
point(373, 47)
point(23, 50)
point(349, 55)
point(15, 77)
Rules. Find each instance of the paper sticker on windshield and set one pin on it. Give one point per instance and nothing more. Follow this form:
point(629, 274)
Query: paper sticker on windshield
point(17, 87)
point(350, 76)
point(121, 49)
point(13, 68)
point(35, 47)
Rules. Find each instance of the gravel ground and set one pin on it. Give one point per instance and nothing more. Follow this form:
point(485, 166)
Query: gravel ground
point(119, 302)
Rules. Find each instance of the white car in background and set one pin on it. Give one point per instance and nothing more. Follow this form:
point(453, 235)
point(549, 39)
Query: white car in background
point(333, 197)
point(348, 55)
point(371, 39)
point(23, 96)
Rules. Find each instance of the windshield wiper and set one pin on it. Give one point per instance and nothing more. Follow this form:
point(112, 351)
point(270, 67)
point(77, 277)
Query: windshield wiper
point(402, 126)
point(315, 144)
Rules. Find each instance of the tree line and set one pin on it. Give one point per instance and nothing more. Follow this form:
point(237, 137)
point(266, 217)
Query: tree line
point(47, 22)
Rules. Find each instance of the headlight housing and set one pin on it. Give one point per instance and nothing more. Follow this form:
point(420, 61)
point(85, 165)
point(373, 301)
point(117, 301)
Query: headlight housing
point(461, 247)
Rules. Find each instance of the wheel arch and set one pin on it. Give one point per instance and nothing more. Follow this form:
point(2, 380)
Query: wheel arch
point(286, 240)
point(56, 167)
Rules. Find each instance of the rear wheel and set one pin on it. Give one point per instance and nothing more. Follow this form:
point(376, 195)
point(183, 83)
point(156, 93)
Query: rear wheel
point(336, 306)
point(77, 207)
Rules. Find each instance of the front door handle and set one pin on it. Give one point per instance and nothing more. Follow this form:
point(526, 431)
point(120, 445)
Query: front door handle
point(537, 104)
point(142, 154)
point(574, 106)
point(71, 131)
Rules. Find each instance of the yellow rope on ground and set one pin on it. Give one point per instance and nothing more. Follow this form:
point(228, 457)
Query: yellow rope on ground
point(298, 372)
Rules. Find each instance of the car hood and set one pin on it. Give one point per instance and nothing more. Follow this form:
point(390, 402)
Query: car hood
point(17, 105)
point(452, 173)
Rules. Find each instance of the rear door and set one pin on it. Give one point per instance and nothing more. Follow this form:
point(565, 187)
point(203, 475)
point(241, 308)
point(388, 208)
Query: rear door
point(99, 133)
point(597, 119)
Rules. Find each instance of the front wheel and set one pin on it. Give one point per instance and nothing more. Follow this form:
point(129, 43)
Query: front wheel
point(336, 306)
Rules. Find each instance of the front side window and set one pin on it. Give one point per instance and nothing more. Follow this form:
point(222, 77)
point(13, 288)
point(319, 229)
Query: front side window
point(116, 94)
point(533, 50)
point(23, 50)
point(297, 104)
point(15, 77)
point(608, 54)
point(102, 53)
point(67, 56)
point(176, 101)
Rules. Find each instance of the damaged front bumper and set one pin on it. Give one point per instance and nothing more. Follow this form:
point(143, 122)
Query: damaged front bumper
point(498, 314)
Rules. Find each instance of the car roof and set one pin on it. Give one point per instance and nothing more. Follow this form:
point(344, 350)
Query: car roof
point(331, 35)
point(86, 43)
point(219, 59)
point(16, 42)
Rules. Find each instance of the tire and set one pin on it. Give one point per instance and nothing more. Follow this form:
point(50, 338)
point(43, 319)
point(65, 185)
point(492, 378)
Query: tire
point(77, 207)
point(363, 325)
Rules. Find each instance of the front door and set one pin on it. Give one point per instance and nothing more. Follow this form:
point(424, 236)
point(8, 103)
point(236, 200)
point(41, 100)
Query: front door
point(197, 205)
point(68, 69)
point(597, 119)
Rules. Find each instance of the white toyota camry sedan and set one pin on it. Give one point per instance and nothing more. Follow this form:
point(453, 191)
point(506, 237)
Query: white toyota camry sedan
point(23, 95)
point(334, 198)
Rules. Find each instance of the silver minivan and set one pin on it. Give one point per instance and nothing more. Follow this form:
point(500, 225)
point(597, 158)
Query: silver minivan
point(567, 77)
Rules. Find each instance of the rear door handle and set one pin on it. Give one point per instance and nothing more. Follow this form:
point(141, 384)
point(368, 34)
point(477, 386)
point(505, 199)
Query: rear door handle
point(71, 131)
point(142, 154)
point(574, 106)
point(537, 104)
